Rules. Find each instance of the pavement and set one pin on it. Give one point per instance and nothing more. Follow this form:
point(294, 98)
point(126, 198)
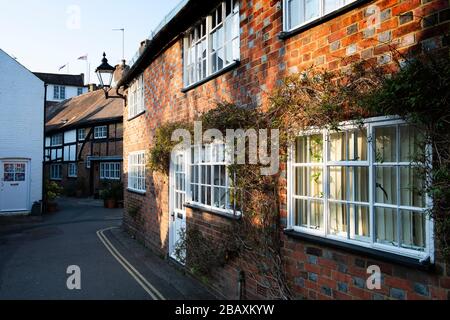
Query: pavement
point(35, 255)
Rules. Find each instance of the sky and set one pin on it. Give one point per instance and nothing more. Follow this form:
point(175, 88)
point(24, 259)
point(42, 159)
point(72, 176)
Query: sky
point(46, 34)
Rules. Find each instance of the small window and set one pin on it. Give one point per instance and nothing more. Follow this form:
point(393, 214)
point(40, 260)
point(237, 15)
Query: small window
point(57, 140)
point(136, 171)
point(79, 91)
point(56, 92)
point(110, 171)
point(72, 171)
point(101, 132)
point(300, 12)
point(62, 93)
point(88, 162)
point(81, 134)
point(56, 172)
point(212, 44)
point(136, 104)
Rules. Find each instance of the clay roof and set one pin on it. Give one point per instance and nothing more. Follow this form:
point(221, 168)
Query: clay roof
point(88, 109)
point(75, 80)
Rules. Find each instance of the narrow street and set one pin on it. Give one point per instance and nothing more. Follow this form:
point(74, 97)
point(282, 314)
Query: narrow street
point(34, 258)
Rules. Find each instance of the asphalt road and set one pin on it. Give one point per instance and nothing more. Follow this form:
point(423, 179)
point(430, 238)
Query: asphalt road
point(34, 258)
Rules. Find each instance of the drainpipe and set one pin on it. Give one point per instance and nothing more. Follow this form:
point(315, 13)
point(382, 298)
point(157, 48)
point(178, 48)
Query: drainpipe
point(241, 285)
point(43, 207)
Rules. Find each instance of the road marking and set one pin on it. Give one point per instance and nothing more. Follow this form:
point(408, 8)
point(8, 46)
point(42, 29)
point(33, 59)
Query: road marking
point(147, 286)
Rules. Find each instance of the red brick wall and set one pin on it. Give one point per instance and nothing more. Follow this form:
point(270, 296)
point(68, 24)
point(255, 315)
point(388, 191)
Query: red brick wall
point(316, 272)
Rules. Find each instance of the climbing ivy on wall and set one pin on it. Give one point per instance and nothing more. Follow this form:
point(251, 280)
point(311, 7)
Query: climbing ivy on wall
point(418, 91)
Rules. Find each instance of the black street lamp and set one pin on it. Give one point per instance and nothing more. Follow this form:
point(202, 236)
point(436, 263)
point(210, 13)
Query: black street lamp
point(105, 73)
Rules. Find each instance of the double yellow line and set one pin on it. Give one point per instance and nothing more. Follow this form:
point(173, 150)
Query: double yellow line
point(147, 286)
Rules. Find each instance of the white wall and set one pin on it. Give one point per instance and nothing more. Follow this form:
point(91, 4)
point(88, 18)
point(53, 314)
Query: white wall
point(22, 119)
point(70, 92)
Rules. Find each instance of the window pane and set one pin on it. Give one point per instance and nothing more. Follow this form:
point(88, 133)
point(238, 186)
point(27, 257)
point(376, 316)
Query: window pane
point(360, 220)
point(412, 187)
point(411, 144)
point(309, 182)
point(349, 183)
point(331, 5)
point(386, 144)
point(386, 225)
point(357, 145)
point(312, 9)
point(301, 147)
point(338, 218)
point(294, 13)
point(309, 210)
point(386, 185)
point(413, 230)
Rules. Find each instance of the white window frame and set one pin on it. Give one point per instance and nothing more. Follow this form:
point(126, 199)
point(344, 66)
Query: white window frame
point(56, 92)
point(370, 124)
point(57, 140)
point(286, 13)
point(101, 132)
point(137, 172)
point(211, 158)
point(110, 171)
point(81, 134)
point(136, 98)
point(72, 170)
point(56, 172)
point(193, 62)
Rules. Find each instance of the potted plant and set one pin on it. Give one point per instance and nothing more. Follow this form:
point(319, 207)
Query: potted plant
point(108, 198)
point(52, 192)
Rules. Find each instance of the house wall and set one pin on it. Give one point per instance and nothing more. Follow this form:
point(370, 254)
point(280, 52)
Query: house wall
point(70, 92)
point(88, 179)
point(22, 119)
point(315, 271)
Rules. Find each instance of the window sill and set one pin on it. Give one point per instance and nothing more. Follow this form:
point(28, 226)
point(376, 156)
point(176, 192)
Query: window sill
point(371, 253)
point(141, 193)
point(211, 77)
point(287, 34)
point(212, 211)
point(136, 116)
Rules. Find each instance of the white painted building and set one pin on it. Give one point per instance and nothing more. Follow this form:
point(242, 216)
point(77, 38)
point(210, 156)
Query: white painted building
point(61, 87)
point(21, 137)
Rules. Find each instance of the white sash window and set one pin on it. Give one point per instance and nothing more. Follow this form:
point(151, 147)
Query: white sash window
point(213, 44)
point(136, 101)
point(301, 12)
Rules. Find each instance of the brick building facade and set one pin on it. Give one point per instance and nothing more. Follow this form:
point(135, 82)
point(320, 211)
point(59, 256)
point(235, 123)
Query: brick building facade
point(273, 44)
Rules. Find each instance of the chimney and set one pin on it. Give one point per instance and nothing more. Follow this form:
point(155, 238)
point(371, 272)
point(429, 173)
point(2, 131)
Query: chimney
point(92, 87)
point(143, 46)
point(120, 69)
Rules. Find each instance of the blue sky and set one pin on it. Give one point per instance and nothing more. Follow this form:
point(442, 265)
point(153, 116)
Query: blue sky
point(46, 34)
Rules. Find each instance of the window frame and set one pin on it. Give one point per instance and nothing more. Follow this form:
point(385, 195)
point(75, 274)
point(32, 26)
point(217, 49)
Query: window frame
point(72, 173)
point(192, 41)
point(81, 137)
point(212, 164)
point(370, 124)
point(322, 14)
point(54, 142)
point(53, 171)
point(140, 167)
point(112, 168)
point(136, 98)
point(103, 130)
